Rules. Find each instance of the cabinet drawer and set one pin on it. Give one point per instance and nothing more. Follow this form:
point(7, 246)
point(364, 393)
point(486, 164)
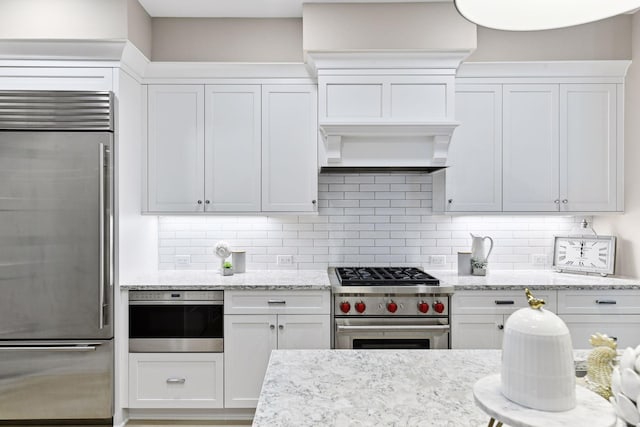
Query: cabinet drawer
point(175, 380)
point(497, 302)
point(277, 302)
point(599, 302)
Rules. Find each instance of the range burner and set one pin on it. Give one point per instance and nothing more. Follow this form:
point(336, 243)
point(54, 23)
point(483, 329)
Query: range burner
point(384, 276)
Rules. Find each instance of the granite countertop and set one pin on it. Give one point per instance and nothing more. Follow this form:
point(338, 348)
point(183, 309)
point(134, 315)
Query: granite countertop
point(318, 279)
point(374, 388)
point(501, 280)
point(212, 280)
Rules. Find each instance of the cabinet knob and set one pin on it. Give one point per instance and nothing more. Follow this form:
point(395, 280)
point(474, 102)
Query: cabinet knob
point(565, 201)
point(556, 201)
point(207, 202)
point(314, 201)
point(272, 326)
point(281, 327)
point(501, 327)
point(199, 202)
point(450, 201)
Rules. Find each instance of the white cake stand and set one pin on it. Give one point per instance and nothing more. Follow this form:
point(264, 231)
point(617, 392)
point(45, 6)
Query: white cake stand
point(591, 410)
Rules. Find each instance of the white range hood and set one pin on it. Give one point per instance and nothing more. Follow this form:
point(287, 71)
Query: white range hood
point(385, 111)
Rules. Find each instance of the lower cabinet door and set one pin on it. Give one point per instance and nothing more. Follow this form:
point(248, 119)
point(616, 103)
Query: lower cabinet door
point(176, 380)
point(248, 342)
point(477, 331)
point(303, 332)
point(624, 327)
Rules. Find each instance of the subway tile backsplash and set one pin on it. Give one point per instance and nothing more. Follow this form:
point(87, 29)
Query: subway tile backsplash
point(364, 219)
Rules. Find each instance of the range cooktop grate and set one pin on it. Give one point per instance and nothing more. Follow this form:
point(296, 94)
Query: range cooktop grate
point(384, 276)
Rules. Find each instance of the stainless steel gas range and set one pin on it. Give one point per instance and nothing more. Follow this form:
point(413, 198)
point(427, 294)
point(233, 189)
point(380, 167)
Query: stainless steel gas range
point(389, 308)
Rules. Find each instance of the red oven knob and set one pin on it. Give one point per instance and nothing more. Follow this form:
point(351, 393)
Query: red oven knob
point(392, 307)
point(345, 307)
point(438, 307)
point(360, 307)
point(423, 307)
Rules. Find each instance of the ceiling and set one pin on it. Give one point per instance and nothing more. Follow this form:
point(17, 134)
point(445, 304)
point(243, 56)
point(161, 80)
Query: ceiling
point(243, 8)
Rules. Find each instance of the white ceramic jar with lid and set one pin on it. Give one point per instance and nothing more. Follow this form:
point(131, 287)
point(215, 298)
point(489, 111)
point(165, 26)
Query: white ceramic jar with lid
point(537, 359)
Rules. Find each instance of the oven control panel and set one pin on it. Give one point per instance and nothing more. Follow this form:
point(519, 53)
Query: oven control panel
point(176, 295)
point(392, 305)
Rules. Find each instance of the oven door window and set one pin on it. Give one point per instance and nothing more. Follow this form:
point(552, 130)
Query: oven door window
point(175, 321)
point(391, 344)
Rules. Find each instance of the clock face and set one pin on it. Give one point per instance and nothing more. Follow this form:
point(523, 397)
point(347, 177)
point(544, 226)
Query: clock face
point(590, 254)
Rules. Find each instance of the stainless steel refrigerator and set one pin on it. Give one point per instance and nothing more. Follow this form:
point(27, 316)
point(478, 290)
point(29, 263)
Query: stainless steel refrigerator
point(56, 252)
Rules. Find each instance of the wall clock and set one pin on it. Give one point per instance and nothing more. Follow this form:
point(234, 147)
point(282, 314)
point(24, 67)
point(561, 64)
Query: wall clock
point(587, 254)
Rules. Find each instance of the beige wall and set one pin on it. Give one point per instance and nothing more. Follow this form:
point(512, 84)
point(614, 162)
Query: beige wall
point(606, 39)
point(139, 27)
point(627, 226)
point(385, 26)
point(232, 40)
point(63, 19)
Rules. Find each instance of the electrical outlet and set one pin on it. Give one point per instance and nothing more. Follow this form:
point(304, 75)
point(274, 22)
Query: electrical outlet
point(539, 259)
point(285, 259)
point(183, 259)
point(438, 259)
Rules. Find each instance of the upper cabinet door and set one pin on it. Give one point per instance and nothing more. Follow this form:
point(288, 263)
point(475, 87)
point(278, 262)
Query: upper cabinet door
point(232, 148)
point(176, 148)
point(531, 148)
point(474, 175)
point(289, 148)
point(588, 147)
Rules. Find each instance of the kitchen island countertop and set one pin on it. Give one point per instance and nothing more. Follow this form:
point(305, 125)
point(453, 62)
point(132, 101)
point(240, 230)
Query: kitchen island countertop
point(374, 388)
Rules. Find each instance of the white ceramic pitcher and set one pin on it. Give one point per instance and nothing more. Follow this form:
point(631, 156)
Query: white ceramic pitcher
point(477, 247)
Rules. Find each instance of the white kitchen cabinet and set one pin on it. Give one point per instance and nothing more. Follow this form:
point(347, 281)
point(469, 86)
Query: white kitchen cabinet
point(561, 148)
point(531, 167)
point(588, 148)
point(478, 317)
point(257, 322)
point(612, 312)
point(175, 152)
point(232, 148)
point(289, 148)
point(176, 380)
point(474, 175)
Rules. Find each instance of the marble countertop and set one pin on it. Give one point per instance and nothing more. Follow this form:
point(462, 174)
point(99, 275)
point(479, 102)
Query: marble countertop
point(374, 388)
point(533, 279)
point(213, 280)
point(318, 279)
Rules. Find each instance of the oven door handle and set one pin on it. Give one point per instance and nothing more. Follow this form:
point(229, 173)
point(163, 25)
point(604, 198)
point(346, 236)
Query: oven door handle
point(394, 328)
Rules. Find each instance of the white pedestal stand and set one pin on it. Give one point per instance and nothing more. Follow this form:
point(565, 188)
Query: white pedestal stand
point(591, 410)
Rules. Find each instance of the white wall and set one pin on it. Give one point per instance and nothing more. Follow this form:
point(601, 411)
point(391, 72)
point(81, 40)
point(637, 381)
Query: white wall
point(231, 40)
point(627, 226)
point(139, 27)
point(606, 39)
point(368, 219)
point(63, 19)
point(348, 26)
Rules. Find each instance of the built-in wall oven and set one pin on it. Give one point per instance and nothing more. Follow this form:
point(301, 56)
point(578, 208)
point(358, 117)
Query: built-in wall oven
point(176, 321)
point(389, 308)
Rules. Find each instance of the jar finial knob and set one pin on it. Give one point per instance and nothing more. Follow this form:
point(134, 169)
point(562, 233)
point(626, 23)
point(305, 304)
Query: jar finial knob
point(533, 301)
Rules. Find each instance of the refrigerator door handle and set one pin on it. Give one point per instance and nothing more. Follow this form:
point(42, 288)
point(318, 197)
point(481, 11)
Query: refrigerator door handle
point(101, 301)
point(72, 348)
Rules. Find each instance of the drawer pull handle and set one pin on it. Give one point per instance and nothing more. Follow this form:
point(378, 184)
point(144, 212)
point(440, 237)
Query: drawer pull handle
point(504, 302)
point(176, 380)
point(277, 301)
point(606, 301)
